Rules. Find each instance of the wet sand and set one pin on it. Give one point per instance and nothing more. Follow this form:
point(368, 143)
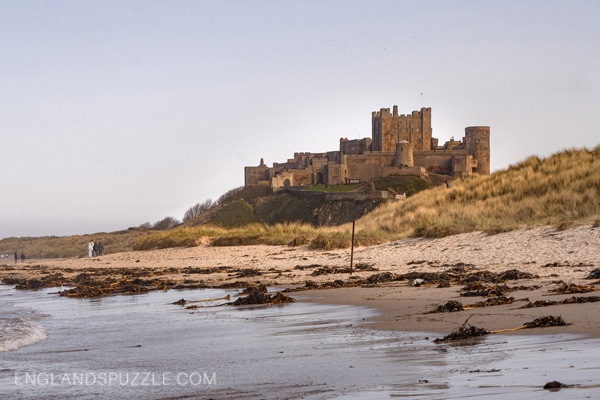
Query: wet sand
point(300, 350)
point(373, 340)
point(556, 257)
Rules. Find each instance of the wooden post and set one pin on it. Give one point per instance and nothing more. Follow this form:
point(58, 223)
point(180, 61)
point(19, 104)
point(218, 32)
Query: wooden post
point(352, 248)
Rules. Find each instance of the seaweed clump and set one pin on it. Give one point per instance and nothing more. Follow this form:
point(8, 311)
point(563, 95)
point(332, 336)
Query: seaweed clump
point(570, 288)
point(248, 272)
point(450, 306)
point(259, 295)
point(494, 301)
point(570, 300)
point(545, 322)
point(465, 331)
point(474, 289)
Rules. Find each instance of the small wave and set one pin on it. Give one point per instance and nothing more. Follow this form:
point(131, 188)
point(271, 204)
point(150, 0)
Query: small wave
point(19, 332)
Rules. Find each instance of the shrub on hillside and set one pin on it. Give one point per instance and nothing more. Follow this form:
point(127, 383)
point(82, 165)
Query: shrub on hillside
point(166, 223)
point(198, 209)
point(247, 193)
point(234, 214)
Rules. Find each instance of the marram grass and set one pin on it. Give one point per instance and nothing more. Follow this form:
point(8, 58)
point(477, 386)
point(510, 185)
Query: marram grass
point(562, 190)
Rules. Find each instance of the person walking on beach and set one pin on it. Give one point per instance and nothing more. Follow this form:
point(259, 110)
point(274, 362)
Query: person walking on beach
point(95, 249)
point(100, 249)
point(90, 247)
point(16, 257)
point(23, 257)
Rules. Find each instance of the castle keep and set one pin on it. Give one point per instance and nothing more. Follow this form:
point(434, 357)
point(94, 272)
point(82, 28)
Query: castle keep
point(400, 144)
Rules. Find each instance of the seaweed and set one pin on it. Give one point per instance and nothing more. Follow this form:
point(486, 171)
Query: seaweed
point(570, 300)
point(569, 288)
point(493, 301)
point(465, 331)
point(382, 277)
point(545, 322)
point(450, 306)
point(256, 295)
point(478, 289)
point(247, 272)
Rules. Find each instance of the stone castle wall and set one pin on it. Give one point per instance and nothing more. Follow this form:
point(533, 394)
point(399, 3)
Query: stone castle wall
point(399, 144)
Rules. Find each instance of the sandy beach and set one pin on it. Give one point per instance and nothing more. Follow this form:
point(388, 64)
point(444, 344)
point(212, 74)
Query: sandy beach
point(554, 258)
point(369, 334)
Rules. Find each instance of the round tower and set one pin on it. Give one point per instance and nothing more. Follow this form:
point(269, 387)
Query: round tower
point(477, 143)
point(404, 154)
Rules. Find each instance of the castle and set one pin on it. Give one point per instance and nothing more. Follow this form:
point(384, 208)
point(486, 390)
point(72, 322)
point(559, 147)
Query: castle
point(400, 144)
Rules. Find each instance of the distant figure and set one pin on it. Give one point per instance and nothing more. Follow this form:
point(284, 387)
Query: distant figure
point(100, 249)
point(90, 247)
point(16, 257)
point(23, 257)
point(95, 249)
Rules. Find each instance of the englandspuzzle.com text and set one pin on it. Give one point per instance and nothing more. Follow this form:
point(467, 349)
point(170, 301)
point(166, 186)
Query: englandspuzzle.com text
point(115, 378)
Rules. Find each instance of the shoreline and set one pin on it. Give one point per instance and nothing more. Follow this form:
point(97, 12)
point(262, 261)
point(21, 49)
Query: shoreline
point(555, 258)
point(403, 308)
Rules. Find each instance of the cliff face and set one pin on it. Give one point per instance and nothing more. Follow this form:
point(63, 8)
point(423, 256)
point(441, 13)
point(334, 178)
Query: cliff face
point(313, 210)
point(338, 212)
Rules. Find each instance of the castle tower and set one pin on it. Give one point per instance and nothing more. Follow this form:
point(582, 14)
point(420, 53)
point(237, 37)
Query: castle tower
point(477, 143)
point(390, 128)
point(404, 154)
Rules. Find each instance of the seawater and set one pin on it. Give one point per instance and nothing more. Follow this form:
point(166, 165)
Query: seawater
point(145, 347)
point(18, 326)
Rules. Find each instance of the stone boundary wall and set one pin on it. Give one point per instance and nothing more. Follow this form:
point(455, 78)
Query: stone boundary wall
point(328, 196)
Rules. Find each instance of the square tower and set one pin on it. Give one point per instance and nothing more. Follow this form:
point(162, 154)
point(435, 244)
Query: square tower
point(389, 128)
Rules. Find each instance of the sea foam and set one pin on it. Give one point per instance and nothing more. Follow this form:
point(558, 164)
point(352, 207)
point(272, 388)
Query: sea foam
point(17, 332)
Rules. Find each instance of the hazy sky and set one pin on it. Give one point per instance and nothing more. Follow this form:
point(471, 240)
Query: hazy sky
point(115, 113)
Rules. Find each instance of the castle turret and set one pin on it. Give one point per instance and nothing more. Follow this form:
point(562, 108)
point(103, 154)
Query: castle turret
point(404, 154)
point(477, 143)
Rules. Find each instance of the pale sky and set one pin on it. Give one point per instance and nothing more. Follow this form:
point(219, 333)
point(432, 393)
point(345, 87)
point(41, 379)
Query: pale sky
point(115, 113)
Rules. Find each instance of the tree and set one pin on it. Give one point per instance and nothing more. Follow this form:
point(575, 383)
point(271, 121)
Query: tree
point(198, 209)
point(231, 195)
point(166, 223)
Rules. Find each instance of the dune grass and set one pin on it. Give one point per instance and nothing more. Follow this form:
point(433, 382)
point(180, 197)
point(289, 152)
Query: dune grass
point(562, 190)
point(290, 234)
point(70, 246)
point(249, 234)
